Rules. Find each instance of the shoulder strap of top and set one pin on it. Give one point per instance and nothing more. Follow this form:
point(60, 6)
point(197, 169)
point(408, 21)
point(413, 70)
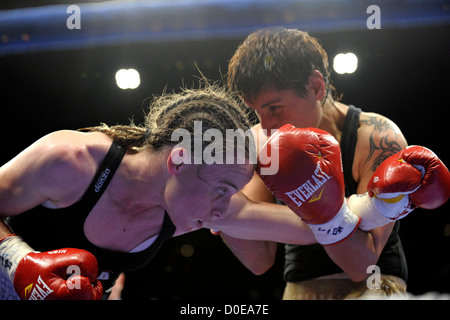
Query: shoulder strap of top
point(348, 145)
point(98, 185)
point(103, 177)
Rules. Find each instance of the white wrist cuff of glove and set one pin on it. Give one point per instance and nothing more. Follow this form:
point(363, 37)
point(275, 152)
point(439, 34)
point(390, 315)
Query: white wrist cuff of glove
point(12, 251)
point(337, 229)
point(376, 212)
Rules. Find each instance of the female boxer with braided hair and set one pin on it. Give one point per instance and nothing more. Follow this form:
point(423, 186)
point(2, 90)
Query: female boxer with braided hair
point(117, 192)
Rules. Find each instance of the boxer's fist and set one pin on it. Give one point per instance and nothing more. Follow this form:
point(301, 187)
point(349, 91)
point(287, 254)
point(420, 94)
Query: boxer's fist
point(58, 274)
point(416, 171)
point(310, 180)
point(413, 177)
point(67, 274)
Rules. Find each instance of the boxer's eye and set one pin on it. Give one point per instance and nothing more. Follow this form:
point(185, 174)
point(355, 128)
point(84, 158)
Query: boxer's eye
point(222, 191)
point(275, 110)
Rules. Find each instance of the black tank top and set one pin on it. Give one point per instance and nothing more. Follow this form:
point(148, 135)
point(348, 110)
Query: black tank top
point(311, 261)
point(47, 229)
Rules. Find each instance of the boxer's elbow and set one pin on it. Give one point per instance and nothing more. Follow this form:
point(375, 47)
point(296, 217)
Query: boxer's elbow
point(256, 256)
point(360, 272)
point(357, 275)
point(261, 267)
point(262, 263)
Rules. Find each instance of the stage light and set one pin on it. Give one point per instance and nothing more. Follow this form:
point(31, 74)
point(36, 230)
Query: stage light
point(127, 79)
point(345, 63)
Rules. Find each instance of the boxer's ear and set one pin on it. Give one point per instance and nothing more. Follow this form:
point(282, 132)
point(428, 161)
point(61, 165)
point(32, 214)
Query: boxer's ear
point(317, 85)
point(176, 160)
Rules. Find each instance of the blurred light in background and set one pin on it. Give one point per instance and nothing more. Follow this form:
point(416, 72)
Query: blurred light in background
point(187, 250)
point(345, 63)
point(128, 79)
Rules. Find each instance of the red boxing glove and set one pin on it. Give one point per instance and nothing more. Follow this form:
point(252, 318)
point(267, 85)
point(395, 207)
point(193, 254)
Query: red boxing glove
point(64, 274)
point(413, 177)
point(416, 171)
point(309, 180)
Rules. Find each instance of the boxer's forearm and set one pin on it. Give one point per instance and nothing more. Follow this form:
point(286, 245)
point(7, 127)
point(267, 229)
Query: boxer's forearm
point(252, 229)
point(356, 253)
point(250, 220)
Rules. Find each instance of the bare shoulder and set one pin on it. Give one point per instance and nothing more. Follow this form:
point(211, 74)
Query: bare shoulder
point(71, 160)
point(378, 139)
point(79, 151)
point(57, 168)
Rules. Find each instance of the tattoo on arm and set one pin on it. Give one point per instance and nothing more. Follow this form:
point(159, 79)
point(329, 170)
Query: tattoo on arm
point(387, 145)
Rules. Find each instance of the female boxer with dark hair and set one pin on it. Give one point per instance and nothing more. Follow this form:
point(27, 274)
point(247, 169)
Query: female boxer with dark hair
point(284, 76)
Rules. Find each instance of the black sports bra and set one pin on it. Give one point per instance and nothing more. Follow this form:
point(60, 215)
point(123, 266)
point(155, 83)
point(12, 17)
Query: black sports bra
point(47, 229)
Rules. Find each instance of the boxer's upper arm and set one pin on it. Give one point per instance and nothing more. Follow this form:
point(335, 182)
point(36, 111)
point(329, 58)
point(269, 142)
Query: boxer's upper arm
point(46, 170)
point(378, 139)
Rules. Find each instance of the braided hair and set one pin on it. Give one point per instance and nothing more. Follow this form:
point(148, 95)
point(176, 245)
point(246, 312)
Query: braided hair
point(211, 104)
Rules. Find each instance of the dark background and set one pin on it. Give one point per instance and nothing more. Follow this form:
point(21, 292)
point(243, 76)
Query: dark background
point(403, 73)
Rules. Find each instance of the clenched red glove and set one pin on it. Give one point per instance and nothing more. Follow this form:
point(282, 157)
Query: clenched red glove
point(310, 180)
point(63, 274)
point(414, 177)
